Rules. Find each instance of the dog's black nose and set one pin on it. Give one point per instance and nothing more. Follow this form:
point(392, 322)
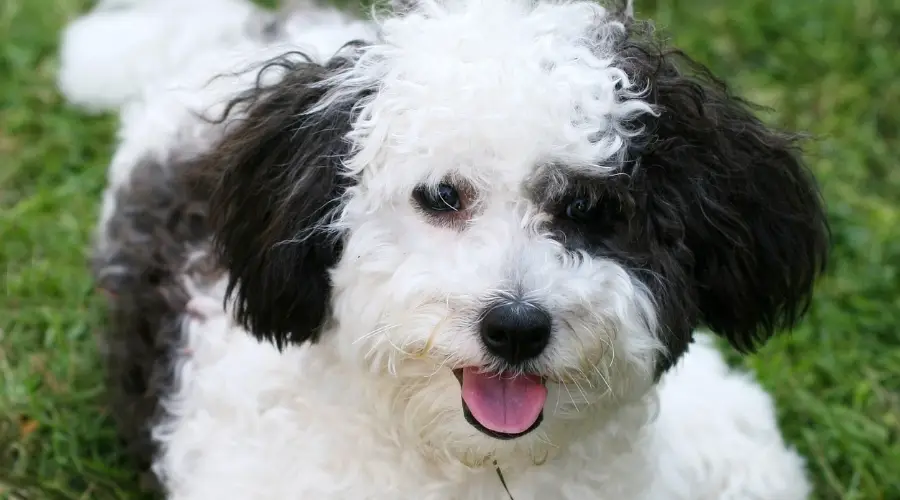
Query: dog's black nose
point(516, 331)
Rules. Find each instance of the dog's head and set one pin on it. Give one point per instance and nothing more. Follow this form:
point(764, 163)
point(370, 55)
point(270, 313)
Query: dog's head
point(528, 206)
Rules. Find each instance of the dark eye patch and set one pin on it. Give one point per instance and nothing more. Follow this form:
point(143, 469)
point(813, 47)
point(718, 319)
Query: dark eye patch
point(589, 205)
point(598, 211)
point(579, 209)
point(591, 213)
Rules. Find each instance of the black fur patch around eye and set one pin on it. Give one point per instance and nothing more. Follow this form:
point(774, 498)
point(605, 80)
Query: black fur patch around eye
point(630, 226)
point(713, 210)
point(590, 215)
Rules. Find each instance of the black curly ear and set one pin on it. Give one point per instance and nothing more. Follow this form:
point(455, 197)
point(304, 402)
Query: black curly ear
point(274, 183)
point(754, 223)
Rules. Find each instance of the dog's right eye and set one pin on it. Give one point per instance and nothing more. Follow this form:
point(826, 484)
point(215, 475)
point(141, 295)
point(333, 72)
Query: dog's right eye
point(443, 198)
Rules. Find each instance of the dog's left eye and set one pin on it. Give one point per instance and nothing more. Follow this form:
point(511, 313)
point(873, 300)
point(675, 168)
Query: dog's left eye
point(445, 198)
point(579, 209)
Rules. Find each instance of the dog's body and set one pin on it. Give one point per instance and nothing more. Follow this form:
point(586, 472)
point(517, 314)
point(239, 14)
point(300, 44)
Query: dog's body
point(375, 308)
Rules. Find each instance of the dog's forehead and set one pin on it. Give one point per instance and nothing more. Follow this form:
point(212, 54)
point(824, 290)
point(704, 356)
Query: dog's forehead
point(492, 90)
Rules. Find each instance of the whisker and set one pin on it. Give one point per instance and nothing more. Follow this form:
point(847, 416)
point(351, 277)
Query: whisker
point(439, 368)
point(379, 330)
point(581, 390)
point(566, 387)
point(605, 381)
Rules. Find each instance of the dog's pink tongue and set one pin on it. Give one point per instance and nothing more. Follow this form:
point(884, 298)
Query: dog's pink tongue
point(502, 402)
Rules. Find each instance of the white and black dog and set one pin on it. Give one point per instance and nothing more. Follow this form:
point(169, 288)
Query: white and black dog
point(460, 250)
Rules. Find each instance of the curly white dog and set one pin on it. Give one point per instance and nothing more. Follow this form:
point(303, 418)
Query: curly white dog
point(458, 251)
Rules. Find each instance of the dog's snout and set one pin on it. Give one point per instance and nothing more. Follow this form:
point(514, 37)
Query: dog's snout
point(516, 331)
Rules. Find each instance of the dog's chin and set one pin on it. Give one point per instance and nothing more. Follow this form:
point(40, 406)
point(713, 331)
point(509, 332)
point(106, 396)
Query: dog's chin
point(527, 402)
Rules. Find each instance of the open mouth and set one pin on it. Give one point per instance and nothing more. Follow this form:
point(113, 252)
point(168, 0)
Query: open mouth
point(502, 405)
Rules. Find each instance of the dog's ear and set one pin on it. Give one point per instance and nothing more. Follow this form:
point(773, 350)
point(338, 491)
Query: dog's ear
point(275, 182)
point(753, 221)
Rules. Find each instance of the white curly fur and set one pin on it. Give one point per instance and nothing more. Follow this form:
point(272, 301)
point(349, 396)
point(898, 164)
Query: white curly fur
point(372, 411)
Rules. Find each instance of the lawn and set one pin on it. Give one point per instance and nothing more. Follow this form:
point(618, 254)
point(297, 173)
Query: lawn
point(828, 67)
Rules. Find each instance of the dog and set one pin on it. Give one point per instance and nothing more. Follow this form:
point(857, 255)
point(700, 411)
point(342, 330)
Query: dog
point(457, 249)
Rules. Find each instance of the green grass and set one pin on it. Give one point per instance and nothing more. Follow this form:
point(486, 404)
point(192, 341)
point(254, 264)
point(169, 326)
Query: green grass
point(826, 67)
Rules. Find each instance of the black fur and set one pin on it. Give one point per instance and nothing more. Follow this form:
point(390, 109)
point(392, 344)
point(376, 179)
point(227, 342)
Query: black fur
point(717, 213)
point(272, 182)
point(156, 225)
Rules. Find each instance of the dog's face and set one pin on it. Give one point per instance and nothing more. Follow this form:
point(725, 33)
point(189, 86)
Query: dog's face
point(526, 207)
